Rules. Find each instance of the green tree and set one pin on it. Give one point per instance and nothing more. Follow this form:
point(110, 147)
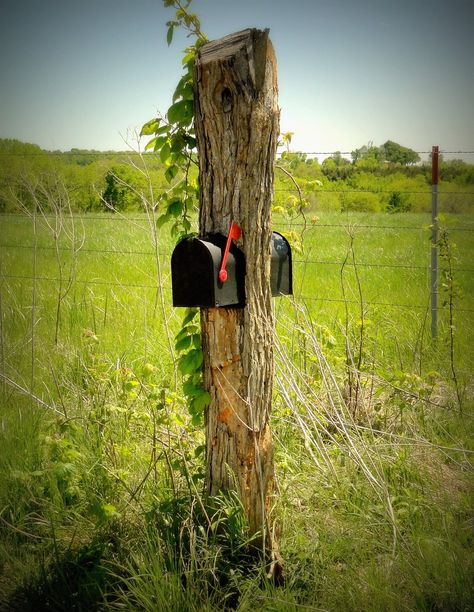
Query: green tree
point(115, 193)
point(456, 170)
point(397, 154)
point(336, 167)
point(368, 158)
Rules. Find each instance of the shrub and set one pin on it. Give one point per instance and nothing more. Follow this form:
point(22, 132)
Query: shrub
point(398, 202)
point(361, 202)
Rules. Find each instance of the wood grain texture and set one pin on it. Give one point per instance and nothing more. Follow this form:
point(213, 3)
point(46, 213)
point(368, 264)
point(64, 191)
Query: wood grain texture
point(237, 126)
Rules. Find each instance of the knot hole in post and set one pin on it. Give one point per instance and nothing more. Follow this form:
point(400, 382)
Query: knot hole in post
point(226, 97)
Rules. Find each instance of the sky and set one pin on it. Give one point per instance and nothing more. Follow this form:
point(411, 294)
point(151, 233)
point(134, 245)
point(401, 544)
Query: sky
point(89, 73)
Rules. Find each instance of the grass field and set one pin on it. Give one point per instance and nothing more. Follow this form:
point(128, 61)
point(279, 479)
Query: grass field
point(100, 469)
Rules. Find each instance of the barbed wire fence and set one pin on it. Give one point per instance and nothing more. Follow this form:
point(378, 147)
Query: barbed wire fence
point(86, 152)
point(299, 260)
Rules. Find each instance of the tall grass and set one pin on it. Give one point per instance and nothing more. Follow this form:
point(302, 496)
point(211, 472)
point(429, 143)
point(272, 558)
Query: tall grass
point(101, 503)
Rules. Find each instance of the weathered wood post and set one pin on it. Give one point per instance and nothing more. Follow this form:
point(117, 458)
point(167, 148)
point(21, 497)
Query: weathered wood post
point(237, 126)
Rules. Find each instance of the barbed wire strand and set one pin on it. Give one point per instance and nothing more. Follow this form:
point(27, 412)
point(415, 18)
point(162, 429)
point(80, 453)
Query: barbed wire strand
point(402, 192)
point(92, 153)
point(350, 152)
point(92, 281)
point(366, 226)
point(296, 261)
point(278, 226)
point(297, 297)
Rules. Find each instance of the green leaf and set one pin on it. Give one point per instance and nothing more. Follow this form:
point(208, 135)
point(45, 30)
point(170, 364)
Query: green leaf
point(190, 389)
point(160, 141)
point(188, 330)
point(186, 225)
point(187, 93)
point(151, 144)
point(162, 219)
point(183, 82)
point(181, 112)
point(181, 334)
point(175, 231)
point(150, 127)
point(177, 159)
point(103, 512)
point(156, 143)
point(177, 143)
point(189, 57)
point(165, 151)
point(190, 141)
point(175, 208)
point(204, 399)
point(199, 402)
point(199, 450)
point(189, 315)
point(169, 35)
point(192, 361)
point(171, 172)
point(183, 343)
point(196, 420)
point(164, 129)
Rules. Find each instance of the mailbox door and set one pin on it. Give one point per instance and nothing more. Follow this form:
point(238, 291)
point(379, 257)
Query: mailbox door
point(195, 265)
point(281, 266)
point(191, 274)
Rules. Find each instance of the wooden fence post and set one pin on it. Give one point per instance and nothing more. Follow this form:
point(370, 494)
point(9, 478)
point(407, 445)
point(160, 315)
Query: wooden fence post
point(237, 127)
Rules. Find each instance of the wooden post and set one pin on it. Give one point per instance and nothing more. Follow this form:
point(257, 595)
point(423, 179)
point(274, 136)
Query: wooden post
point(237, 126)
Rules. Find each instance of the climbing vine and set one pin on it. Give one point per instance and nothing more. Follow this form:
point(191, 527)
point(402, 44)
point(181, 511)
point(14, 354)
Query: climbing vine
point(173, 139)
point(188, 343)
point(173, 135)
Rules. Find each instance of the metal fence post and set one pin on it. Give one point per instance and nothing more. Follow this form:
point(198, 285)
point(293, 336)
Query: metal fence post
point(434, 240)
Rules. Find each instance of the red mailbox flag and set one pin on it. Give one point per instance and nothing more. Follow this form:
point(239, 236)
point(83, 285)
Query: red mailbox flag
point(234, 234)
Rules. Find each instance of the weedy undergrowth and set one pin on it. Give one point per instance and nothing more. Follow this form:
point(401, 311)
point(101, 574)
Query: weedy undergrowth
point(450, 290)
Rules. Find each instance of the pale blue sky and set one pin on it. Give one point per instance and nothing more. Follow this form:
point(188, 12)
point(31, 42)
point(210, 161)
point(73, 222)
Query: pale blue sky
point(81, 74)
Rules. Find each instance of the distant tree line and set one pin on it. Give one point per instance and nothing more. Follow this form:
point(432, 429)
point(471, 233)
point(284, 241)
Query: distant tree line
point(389, 177)
point(95, 180)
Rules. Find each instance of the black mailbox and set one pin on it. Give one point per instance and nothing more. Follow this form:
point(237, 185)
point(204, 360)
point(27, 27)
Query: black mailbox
point(281, 267)
point(195, 267)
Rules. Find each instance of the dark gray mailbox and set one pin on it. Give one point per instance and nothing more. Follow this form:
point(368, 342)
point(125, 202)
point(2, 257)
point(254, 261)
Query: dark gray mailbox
point(195, 265)
point(196, 270)
point(281, 272)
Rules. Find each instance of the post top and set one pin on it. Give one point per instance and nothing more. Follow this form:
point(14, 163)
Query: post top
point(232, 44)
point(246, 52)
